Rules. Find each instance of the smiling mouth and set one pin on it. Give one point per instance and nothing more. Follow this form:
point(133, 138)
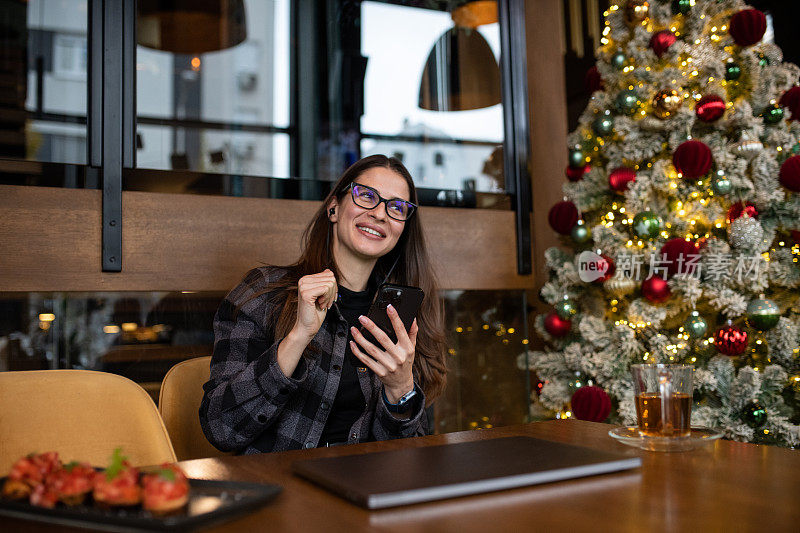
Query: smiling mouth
point(370, 231)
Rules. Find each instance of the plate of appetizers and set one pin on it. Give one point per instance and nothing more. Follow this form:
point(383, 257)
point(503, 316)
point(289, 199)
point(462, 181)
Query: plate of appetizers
point(121, 497)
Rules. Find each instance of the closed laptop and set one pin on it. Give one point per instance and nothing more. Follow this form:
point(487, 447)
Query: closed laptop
point(411, 475)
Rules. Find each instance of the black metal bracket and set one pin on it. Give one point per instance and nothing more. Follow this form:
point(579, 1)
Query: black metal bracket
point(112, 118)
point(516, 145)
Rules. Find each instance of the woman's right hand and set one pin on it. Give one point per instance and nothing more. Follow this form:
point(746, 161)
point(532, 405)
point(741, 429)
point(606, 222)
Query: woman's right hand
point(316, 294)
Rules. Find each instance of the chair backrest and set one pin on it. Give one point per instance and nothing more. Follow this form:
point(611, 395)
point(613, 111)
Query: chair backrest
point(179, 403)
point(81, 414)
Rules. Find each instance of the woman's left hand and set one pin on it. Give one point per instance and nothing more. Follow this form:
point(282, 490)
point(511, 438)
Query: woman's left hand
point(393, 364)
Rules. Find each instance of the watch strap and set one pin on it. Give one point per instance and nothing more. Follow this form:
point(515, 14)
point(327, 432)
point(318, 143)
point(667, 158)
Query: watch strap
point(401, 404)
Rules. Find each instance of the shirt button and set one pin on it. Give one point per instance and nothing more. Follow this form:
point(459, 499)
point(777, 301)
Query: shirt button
point(324, 405)
point(262, 418)
point(336, 368)
point(309, 444)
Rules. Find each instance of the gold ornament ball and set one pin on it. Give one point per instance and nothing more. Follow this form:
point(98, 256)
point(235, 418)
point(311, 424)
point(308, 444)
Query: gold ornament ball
point(666, 103)
point(636, 11)
point(620, 285)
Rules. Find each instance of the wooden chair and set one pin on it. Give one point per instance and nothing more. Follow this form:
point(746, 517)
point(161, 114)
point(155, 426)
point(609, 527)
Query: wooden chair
point(179, 403)
point(81, 414)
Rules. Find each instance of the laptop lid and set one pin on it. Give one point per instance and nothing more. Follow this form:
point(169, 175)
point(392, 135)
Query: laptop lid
point(411, 475)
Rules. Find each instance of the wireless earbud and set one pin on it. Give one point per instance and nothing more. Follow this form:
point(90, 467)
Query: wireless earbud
point(332, 211)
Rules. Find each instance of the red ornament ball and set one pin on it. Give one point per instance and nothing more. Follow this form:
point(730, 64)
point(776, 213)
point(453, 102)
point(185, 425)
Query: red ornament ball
point(741, 208)
point(676, 253)
point(591, 403)
point(790, 173)
point(709, 108)
point(692, 159)
point(556, 326)
point(791, 100)
point(661, 41)
point(604, 264)
point(576, 174)
point(730, 340)
point(656, 289)
point(747, 27)
point(563, 216)
point(592, 81)
point(619, 178)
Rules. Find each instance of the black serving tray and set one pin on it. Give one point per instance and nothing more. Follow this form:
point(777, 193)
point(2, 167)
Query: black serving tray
point(210, 503)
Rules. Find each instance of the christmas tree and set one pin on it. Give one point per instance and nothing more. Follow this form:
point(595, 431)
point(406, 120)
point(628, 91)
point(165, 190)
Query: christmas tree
point(681, 217)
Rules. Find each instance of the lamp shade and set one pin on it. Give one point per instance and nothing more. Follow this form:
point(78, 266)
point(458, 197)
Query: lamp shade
point(461, 73)
point(190, 26)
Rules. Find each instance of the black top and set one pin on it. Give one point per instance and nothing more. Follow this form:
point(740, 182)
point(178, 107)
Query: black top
point(349, 403)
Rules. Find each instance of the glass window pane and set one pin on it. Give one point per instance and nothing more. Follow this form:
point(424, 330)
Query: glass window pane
point(141, 335)
point(221, 109)
point(442, 149)
point(43, 89)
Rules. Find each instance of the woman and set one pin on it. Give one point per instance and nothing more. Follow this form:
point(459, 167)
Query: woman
point(290, 368)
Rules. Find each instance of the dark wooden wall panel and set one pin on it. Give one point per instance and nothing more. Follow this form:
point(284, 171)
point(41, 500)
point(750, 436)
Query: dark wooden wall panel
point(50, 241)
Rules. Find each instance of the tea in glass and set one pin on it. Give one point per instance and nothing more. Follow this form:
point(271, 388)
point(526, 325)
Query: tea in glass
point(663, 399)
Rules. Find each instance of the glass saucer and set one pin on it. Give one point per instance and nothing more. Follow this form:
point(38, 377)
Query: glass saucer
point(630, 435)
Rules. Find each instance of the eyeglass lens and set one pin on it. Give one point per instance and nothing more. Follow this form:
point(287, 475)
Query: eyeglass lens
point(368, 198)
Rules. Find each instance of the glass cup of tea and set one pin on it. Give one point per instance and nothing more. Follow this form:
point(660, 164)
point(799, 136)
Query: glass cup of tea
point(663, 399)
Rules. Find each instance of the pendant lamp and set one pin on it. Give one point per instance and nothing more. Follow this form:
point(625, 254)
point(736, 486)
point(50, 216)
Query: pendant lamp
point(190, 26)
point(461, 72)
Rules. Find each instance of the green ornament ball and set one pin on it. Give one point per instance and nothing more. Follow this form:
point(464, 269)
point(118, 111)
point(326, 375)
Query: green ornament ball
point(681, 7)
point(618, 60)
point(576, 158)
point(721, 186)
point(646, 225)
point(580, 233)
point(754, 415)
point(695, 326)
point(773, 114)
point(763, 314)
point(566, 309)
point(603, 125)
point(732, 71)
point(763, 60)
point(796, 149)
point(627, 102)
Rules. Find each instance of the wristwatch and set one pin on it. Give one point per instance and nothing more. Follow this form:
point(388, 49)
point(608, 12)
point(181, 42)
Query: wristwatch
point(401, 404)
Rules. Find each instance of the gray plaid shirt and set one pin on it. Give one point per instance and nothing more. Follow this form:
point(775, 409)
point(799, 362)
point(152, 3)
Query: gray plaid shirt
point(250, 406)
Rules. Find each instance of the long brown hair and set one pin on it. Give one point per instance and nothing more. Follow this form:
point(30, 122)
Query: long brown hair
point(412, 266)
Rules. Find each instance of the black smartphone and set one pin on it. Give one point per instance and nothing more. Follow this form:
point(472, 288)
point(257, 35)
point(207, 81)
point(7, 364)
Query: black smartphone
point(406, 300)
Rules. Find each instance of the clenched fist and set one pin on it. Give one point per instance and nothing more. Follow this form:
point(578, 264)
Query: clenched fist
point(316, 293)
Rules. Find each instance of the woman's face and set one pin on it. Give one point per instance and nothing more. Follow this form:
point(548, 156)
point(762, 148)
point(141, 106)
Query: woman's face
point(369, 233)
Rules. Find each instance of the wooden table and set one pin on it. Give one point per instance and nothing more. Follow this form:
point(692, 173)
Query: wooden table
point(726, 486)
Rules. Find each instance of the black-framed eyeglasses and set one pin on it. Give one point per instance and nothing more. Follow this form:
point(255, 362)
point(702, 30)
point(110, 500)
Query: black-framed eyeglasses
point(368, 198)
